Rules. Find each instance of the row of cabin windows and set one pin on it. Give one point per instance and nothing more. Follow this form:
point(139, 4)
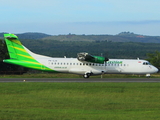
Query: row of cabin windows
point(89, 64)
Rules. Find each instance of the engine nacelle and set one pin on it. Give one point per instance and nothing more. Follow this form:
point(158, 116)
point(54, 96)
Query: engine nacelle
point(90, 58)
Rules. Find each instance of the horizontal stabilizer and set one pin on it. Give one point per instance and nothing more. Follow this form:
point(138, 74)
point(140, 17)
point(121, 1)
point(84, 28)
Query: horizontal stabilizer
point(10, 36)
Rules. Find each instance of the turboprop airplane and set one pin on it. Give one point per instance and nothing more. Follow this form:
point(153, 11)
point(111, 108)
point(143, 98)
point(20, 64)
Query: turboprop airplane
point(85, 64)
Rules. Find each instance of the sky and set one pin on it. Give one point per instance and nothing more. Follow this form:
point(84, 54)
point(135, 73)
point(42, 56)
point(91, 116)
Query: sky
point(57, 17)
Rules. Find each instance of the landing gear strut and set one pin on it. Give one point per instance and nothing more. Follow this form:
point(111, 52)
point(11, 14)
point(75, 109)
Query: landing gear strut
point(148, 75)
point(86, 75)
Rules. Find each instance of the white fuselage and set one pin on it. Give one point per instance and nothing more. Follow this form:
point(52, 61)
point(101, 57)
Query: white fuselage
point(72, 65)
point(113, 66)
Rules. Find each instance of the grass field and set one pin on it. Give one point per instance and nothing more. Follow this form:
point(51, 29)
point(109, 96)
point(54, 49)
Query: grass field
point(65, 75)
point(79, 101)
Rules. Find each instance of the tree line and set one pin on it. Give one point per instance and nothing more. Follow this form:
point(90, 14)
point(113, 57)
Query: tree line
point(120, 50)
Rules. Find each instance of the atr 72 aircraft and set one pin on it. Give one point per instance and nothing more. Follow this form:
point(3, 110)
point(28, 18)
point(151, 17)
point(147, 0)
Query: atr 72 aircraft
point(85, 64)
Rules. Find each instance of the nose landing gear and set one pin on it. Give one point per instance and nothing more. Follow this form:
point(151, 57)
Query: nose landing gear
point(148, 75)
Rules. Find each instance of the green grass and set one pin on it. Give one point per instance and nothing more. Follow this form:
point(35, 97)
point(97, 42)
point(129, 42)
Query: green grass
point(79, 101)
point(66, 75)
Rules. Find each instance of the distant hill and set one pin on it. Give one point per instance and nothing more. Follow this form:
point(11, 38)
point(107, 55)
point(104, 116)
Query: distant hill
point(131, 37)
point(121, 37)
point(32, 35)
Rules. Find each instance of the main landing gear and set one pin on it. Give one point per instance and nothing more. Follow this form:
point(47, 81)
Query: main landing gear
point(86, 75)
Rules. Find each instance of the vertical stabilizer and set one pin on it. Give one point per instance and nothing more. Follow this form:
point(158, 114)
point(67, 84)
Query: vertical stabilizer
point(11, 41)
point(20, 55)
point(15, 49)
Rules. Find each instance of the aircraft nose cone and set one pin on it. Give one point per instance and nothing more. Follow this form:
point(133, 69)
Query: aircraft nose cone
point(156, 70)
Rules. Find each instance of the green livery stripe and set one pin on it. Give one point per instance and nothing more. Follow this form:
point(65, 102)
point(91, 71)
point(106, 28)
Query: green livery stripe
point(17, 42)
point(28, 64)
point(32, 62)
point(19, 49)
point(41, 68)
point(25, 56)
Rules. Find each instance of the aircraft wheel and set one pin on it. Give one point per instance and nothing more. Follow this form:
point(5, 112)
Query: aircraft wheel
point(86, 75)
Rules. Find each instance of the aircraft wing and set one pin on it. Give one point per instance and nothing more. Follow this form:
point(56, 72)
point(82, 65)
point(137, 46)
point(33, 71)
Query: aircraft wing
point(90, 58)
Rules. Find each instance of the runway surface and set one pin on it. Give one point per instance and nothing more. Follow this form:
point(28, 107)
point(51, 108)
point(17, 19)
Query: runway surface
point(80, 80)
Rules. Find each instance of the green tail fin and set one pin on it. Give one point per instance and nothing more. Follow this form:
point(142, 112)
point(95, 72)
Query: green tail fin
point(15, 48)
point(20, 55)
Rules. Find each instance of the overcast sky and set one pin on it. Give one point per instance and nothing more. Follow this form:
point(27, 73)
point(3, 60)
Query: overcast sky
point(80, 16)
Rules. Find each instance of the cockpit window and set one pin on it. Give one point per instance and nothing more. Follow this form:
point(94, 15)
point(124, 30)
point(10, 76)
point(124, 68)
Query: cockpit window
point(146, 63)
